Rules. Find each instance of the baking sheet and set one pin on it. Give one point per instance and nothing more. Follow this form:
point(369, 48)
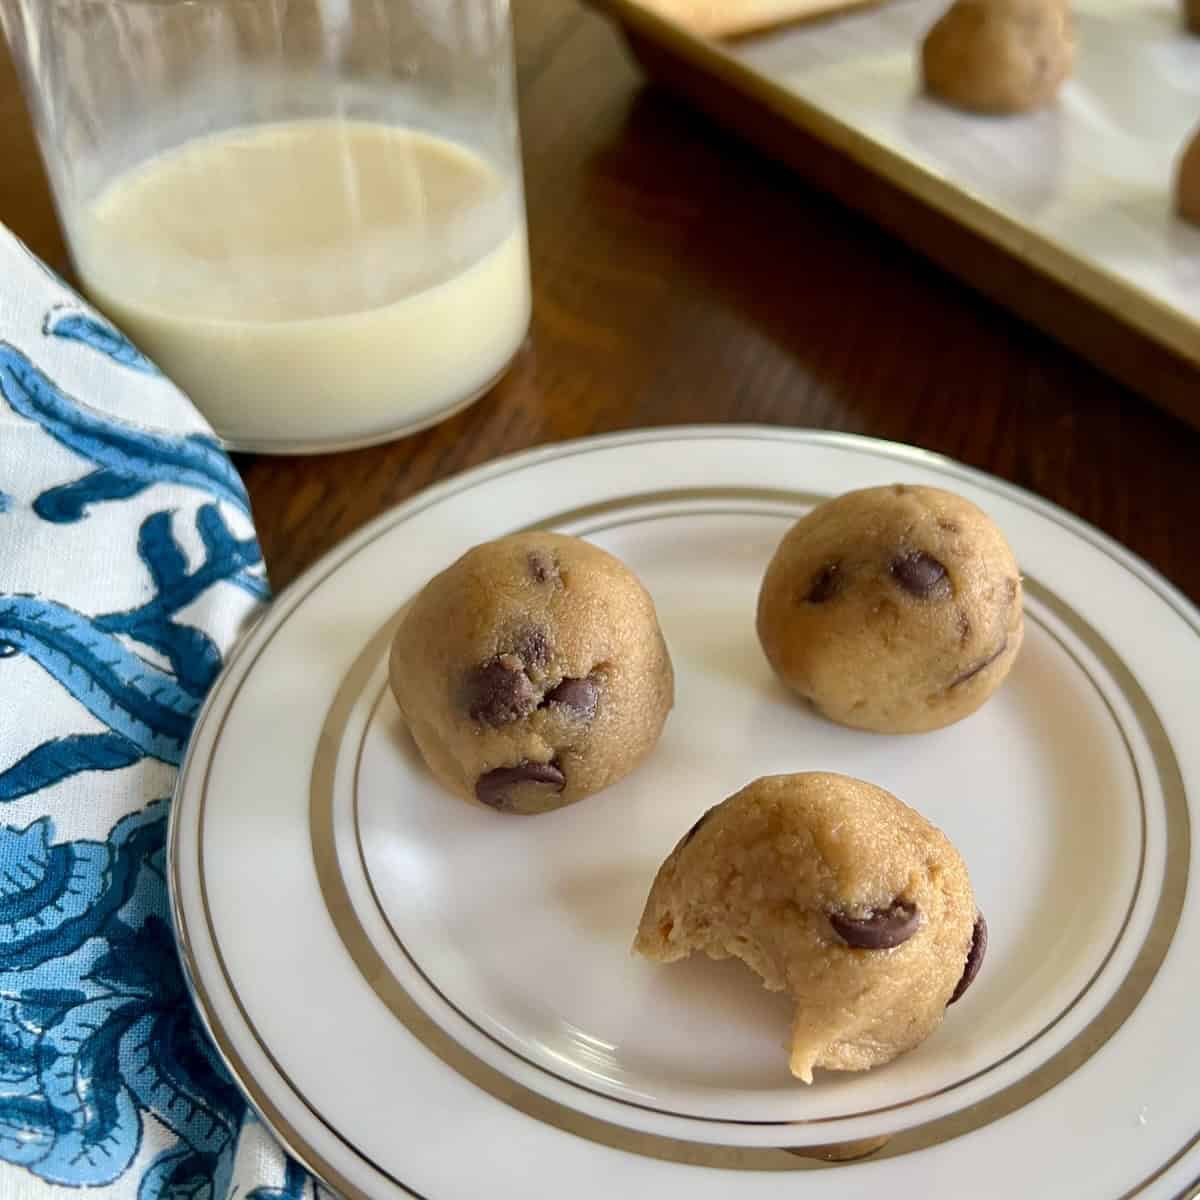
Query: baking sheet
point(1083, 190)
point(1094, 174)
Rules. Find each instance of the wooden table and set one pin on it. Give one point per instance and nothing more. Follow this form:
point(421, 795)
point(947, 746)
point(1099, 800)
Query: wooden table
point(680, 278)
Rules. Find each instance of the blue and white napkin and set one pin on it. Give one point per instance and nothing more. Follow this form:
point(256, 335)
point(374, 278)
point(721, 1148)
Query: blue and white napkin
point(128, 569)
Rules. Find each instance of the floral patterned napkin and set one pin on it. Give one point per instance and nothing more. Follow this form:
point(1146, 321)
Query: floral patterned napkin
point(128, 569)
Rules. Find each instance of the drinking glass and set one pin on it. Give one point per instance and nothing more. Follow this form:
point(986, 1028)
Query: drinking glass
point(309, 213)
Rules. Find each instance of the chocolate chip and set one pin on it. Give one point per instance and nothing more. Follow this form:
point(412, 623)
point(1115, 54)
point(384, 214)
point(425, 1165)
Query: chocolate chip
point(1013, 586)
point(972, 671)
point(542, 566)
point(825, 584)
point(920, 574)
point(499, 692)
point(882, 929)
point(580, 696)
point(533, 647)
point(974, 958)
point(495, 789)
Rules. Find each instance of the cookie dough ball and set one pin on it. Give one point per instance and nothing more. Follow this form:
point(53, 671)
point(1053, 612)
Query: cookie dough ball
point(830, 889)
point(532, 672)
point(999, 56)
point(894, 609)
point(1187, 181)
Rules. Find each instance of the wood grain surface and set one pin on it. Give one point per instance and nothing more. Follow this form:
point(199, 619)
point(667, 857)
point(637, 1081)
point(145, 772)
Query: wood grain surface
point(681, 277)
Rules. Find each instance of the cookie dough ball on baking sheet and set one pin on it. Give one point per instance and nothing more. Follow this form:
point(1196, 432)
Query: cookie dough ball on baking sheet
point(999, 56)
point(1187, 178)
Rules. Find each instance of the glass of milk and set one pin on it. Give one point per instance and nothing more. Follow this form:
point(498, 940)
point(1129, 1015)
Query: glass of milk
point(309, 213)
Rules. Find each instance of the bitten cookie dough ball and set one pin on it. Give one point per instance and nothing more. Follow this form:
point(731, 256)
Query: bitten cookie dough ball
point(894, 609)
point(532, 672)
point(830, 889)
point(999, 56)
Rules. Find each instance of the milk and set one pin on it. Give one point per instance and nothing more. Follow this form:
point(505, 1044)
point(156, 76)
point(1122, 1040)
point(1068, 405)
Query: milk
point(314, 283)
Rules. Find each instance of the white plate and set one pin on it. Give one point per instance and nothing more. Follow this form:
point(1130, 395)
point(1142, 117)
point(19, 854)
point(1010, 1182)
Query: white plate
point(426, 998)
